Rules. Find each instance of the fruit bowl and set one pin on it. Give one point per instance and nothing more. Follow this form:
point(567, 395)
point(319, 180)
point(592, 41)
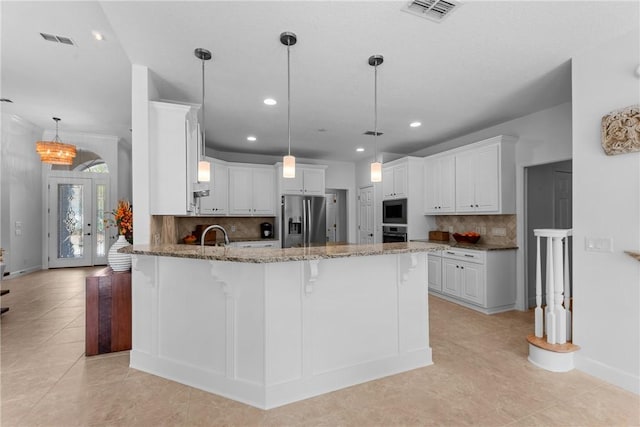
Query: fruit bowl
point(468, 237)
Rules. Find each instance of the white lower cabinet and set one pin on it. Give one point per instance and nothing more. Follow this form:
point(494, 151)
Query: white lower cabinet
point(482, 280)
point(434, 269)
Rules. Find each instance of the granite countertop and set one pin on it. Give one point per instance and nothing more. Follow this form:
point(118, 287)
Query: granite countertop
point(267, 255)
point(474, 246)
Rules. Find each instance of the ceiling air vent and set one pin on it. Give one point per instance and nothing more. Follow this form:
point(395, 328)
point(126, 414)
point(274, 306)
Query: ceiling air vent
point(370, 132)
point(435, 10)
point(57, 39)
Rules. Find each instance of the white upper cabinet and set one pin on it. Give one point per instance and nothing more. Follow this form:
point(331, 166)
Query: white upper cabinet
point(394, 182)
point(252, 190)
point(217, 203)
point(485, 179)
point(439, 185)
point(478, 178)
point(173, 155)
point(309, 181)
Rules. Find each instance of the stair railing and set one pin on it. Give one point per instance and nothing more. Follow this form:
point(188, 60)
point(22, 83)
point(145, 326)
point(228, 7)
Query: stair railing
point(557, 314)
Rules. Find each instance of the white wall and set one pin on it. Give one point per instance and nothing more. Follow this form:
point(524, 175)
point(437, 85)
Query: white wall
point(543, 137)
point(606, 203)
point(21, 188)
point(142, 90)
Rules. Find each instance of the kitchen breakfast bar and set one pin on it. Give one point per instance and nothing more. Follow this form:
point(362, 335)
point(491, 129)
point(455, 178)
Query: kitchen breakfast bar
point(271, 326)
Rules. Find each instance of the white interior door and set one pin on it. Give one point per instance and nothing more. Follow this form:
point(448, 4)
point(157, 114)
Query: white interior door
point(332, 216)
point(366, 226)
point(76, 232)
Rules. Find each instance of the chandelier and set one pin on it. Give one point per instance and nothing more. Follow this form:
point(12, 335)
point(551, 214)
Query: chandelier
point(56, 152)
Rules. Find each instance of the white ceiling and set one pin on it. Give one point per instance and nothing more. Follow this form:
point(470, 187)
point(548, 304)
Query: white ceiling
point(486, 63)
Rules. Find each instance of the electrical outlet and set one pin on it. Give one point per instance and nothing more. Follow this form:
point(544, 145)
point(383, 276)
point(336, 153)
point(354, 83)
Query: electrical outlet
point(598, 244)
point(233, 228)
point(499, 231)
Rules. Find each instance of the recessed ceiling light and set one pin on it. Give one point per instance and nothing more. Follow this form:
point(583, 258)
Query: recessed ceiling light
point(415, 124)
point(270, 101)
point(359, 149)
point(97, 35)
point(251, 138)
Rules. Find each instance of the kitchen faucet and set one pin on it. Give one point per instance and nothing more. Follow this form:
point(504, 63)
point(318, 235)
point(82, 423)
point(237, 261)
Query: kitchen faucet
point(217, 227)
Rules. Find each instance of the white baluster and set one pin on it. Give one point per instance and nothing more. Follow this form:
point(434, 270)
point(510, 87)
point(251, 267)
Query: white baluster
point(550, 314)
point(539, 331)
point(567, 288)
point(558, 309)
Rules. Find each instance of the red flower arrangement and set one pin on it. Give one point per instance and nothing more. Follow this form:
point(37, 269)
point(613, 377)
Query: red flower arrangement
point(123, 219)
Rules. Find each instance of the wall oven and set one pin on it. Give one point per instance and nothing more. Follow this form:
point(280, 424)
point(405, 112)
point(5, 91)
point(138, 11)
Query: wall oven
point(394, 234)
point(394, 211)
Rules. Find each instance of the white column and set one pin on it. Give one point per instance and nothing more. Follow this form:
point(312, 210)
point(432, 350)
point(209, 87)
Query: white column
point(539, 326)
point(558, 309)
point(550, 313)
point(567, 288)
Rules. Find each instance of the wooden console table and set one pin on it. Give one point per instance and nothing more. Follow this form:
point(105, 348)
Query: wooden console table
point(108, 312)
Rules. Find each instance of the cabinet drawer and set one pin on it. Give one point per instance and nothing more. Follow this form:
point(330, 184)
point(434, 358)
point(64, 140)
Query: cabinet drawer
point(468, 255)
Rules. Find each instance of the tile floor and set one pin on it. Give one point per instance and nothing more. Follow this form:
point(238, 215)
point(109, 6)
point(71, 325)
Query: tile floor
point(480, 377)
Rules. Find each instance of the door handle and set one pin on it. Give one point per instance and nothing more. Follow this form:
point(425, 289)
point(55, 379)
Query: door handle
point(88, 234)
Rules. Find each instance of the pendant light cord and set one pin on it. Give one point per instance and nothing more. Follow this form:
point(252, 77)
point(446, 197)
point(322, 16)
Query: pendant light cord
point(375, 110)
point(203, 144)
point(289, 95)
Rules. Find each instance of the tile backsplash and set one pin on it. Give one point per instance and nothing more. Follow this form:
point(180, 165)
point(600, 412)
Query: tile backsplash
point(494, 229)
point(171, 229)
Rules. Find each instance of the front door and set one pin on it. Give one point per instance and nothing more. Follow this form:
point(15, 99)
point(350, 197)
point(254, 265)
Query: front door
point(76, 233)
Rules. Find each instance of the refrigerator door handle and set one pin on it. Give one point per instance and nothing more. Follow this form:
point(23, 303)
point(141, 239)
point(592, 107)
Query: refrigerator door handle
point(310, 227)
point(304, 222)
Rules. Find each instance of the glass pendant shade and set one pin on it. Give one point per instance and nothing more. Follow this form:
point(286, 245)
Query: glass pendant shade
point(376, 172)
point(289, 167)
point(204, 171)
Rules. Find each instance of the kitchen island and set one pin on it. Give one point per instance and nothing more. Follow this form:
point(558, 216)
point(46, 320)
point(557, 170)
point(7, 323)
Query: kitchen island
point(272, 326)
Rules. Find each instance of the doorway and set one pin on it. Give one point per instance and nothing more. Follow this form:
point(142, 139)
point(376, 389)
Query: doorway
point(548, 204)
point(76, 235)
point(336, 203)
point(366, 220)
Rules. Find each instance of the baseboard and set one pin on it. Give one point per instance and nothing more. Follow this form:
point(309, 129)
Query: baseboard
point(13, 274)
point(608, 373)
point(492, 310)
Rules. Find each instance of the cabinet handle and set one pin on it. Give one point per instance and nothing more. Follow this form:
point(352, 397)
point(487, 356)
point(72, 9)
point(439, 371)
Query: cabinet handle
point(470, 206)
point(461, 267)
point(450, 253)
point(467, 255)
point(457, 266)
point(476, 206)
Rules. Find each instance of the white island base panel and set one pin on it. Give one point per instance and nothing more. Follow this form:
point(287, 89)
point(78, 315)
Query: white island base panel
point(268, 334)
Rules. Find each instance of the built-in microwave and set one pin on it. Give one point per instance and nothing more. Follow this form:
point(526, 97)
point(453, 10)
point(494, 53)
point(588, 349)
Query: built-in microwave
point(394, 211)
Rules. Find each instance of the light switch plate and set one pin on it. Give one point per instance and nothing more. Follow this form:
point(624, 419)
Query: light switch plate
point(598, 244)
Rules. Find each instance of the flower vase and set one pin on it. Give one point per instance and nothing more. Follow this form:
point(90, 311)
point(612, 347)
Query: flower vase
point(118, 261)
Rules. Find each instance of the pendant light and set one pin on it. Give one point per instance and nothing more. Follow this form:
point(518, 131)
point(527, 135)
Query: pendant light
point(376, 166)
point(289, 162)
point(56, 152)
point(204, 167)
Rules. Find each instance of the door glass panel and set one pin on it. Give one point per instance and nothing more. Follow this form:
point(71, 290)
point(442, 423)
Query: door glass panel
point(70, 221)
point(101, 235)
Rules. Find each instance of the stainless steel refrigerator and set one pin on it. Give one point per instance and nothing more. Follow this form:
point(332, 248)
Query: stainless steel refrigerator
point(304, 221)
